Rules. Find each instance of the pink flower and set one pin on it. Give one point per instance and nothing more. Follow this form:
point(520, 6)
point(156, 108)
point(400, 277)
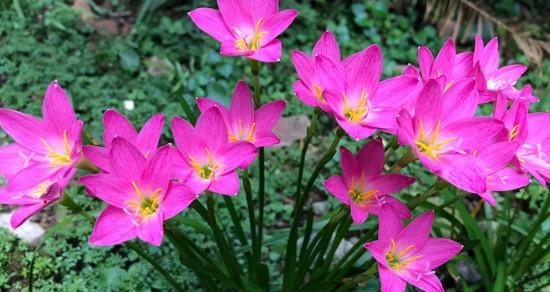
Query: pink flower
point(246, 28)
point(489, 77)
point(244, 124)
point(444, 130)
point(208, 160)
point(116, 125)
point(309, 89)
point(408, 254)
point(359, 103)
point(42, 160)
point(140, 193)
point(447, 68)
point(363, 187)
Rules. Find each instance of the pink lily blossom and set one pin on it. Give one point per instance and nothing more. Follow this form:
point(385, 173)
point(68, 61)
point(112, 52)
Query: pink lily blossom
point(358, 102)
point(117, 125)
point(42, 160)
point(208, 160)
point(243, 122)
point(309, 88)
point(489, 77)
point(246, 28)
point(363, 187)
point(140, 194)
point(444, 130)
point(408, 254)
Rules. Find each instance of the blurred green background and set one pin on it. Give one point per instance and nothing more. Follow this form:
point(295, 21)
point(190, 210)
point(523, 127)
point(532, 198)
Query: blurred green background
point(138, 56)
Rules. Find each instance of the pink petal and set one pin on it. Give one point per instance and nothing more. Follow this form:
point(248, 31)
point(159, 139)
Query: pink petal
point(335, 186)
point(211, 128)
point(113, 226)
point(438, 251)
point(425, 62)
point(151, 230)
point(445, 60)
point(462, 172)
point(396, 91)
point(488, 197)
point(304, 94)
point(417, 232)
point(116, 125)
point(184, 133)
point(25, 212)
point(263, 8)
point(266, 139)
point(355, 130)
point(496, 156)
point(390, 281)
point(459, 102)
point(211, 22)
point(25, 129)
point(358, 214)
point(267, 116)
point(500, 105)
point(13, 158)
point(364, 72)
point(241, 111)
point(57, 110)
point(479, 48)
point(510, 73)
point(158, 170)
point(204, 103)
point(149, 136)
point(196, 183)
point(390, 223)
point(390, 183)
point(277, 23)
point(327, 46)
point(463, 65)
point(304, 66)
point(371, 157)
point(99, 156)
point(429, 104)
point(228, 48)
point(490, 58)
point(351, 169)
point(227, 184)
point(269, 53)
point(110, 189)
point(384, 119)
point(236, 13)
point(31, 176)
point(378, 250)
point(126, 160)
point(473, 133)
point(330, 73)
point(178, 198)
point(235, 154)
point(507, 179)
point(400, 208)
point(411, 71)
point(405, 130)
point(428, 282)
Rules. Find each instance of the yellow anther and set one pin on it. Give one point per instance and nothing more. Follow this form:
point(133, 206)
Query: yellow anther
point(56, 158)
point(431, 148)
point(244, 43)
point(145, 205)
point(318, 92)
point(243, 135)
point(206, 171)
point(514, 132)
point(356, 113)
point(398, 260)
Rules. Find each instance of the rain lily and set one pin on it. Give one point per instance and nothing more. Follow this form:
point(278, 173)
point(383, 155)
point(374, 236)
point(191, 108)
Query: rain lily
point(363, 187)
point(140, 193)
point(244, 124)
point(489, 76)
point(357, 100)
point(443, 130)
point(116, 125)
point(42, 160)
point(408, 254)
point(208, 159)
point(448, 67)
point(246, 28)
point(309, 89)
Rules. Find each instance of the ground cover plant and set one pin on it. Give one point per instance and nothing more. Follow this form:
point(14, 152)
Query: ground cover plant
point(452, 123)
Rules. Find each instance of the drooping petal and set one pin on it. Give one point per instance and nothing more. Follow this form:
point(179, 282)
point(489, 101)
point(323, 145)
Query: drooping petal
point(26, 130)
point(358, 214)
point(371, 157)
point(25, 212)
point(390, 281)
point(113, 226)
point(126, 160)
point(277, 23)
point(269, 53)
point(148, 138)
point(417, 232)
point(327, 46)
point(267, 116)
point(151, 230)
point(57, 110)
point(178, 198)
point(390, 183)
point(117, 125)
point(335, 185)
point(227, 184)
point(211, 22)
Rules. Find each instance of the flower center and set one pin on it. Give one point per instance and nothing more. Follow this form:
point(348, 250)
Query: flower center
point(398, 260)
point(145, 205)
point(41, 189)
point(250, 42)
point(431, 147)
point(357, 194)
point(242, 134)
point(356, 113)
point(205, 171)
point(318, 92)
point(513, 132)
point(56, 157)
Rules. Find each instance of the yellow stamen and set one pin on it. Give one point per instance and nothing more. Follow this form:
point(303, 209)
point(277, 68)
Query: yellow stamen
point(318, 92)
point(514, 132)
point(206, 171)
point(431, 148)
point(243, 135)
point(42, 188)
point(357, 194)
point(357, 113)
point(244, 44)
point(57, 158)
point(144, 206)
point(398, 260)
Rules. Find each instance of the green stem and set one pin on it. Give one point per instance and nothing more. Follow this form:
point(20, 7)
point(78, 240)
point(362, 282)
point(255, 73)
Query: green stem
point(70, 204)
point(261, 201)
point(251, 219)
point(236, 220)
